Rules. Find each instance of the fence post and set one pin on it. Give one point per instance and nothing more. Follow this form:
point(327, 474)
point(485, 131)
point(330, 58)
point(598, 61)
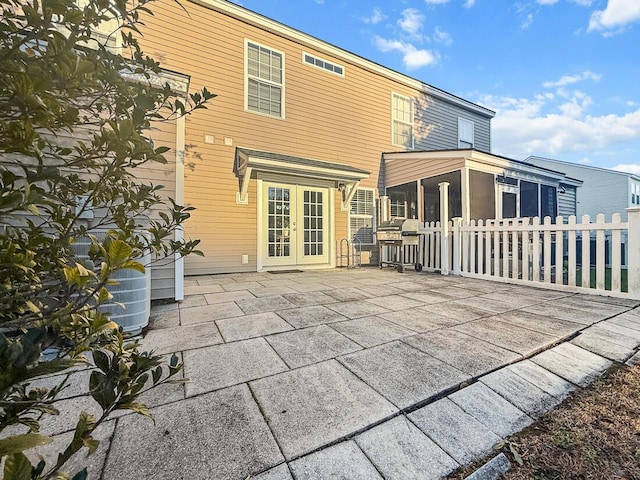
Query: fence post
point(457, 245)
point(444, 223)
point(633, 260)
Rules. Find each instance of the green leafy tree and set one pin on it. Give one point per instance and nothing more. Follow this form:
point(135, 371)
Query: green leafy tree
point(76, 115)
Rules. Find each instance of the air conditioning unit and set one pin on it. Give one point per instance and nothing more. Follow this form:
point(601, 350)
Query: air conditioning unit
point(133, 291)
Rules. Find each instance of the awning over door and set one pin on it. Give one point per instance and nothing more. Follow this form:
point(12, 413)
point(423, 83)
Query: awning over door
point(249, 162)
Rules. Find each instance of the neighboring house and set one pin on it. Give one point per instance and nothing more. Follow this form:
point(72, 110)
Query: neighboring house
point(603, 191)
point(287, 160)
point(481, 186)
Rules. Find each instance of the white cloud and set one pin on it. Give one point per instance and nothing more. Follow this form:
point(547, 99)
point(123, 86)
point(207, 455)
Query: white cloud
point(548, 125)
point(546, 2)
point(376, 17)
point(633, 168)
point(412, 22)
point(440, 36)
point(571, 79)
point(469, 3)
point(617, 15)
point(412, 57)
point(526, 23)
point(436, 2)
point(319, 2)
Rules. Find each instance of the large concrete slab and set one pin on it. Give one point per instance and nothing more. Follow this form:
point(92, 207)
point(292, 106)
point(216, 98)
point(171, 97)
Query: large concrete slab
point(221, 366)
point(317, 405)
point(176, 339)
point(467, 354)
point(404, 375)
point(249, 326)
point(602, 346)
point(494, 469)
point(523, 394)
point(311, 345)
point(395, 302)
point(425, 296)
point(281, 472)
point(508, 298)
point(505, 335)
point(459, 434)
point(421, 319)
point(459, 311)
point(306, 299)
point(622, 330)
point(309, 316)
point(455, 291)
point(371, 331)
point(550, 326)
point(542, 378)
point(495, 306)
point(400, 451)
point(564, 312)
point(579, 369)
point(357, 309)
point(344, 461)
point(271, 291)
point(490, 409)
point(264, 304)
point(591, 303)
point(206, 313)
point(628, 320)
point(93, 463)
point(216, 298)
point(347, 294)
point(217, 435)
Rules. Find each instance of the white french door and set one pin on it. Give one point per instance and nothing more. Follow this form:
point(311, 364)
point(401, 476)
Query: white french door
point(295, 225)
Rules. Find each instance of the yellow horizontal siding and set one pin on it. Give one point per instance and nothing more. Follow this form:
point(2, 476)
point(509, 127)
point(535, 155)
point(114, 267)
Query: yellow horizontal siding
point(327, 117)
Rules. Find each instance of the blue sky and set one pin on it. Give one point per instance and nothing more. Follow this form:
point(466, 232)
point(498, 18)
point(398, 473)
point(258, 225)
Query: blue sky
point(562, 75)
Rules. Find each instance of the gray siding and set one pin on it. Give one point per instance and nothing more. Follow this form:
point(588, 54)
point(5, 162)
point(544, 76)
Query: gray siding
point(436, 122)
point(567, 202)
point(603, 191)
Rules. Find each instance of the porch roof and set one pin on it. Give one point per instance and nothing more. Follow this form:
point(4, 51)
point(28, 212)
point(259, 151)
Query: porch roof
point(249, 161)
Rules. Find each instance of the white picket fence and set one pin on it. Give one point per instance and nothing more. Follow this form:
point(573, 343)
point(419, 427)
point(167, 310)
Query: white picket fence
point(592, 257)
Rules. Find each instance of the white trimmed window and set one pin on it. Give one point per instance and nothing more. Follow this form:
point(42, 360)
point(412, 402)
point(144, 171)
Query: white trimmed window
point(402, 118)
point(465, 133)
point(265, 80)
point(323, 64)
point(361, 216)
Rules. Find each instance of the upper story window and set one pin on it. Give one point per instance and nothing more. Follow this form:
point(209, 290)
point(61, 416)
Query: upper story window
point(265, 80)
point(402, 118)
point(465, 133)
point(322, 64)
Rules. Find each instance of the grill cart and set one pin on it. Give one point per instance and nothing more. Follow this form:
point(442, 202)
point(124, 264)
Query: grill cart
point(393, 236)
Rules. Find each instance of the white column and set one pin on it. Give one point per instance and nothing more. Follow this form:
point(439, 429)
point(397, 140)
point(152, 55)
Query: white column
point(444, 223)
point(179, 232)
point(633, 260)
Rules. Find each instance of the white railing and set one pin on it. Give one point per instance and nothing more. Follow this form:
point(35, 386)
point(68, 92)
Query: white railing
point(600, 257)
point(582, 257)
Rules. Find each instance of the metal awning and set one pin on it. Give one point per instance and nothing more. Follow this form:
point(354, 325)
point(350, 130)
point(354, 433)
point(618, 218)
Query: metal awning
point(249, 161)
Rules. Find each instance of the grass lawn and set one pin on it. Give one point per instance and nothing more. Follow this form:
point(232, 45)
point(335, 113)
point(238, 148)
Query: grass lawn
point(594, 434)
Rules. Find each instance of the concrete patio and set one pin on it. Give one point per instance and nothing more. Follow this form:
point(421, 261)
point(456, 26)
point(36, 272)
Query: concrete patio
point(355, 374)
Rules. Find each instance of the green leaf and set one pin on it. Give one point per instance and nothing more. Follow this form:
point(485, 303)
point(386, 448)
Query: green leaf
point(17, 467)
point(118, 252)
point(516, 455)
point(81, 475)
point(20, 443)
point(137, 407)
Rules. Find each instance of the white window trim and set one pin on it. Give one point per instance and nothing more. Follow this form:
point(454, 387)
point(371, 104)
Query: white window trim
point(341, 75)
point(473, 132)
point(372, 217)
point(246, 81)
point(393, 120)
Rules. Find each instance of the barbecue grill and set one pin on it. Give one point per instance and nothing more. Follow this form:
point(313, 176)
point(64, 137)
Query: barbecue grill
point(393, 236)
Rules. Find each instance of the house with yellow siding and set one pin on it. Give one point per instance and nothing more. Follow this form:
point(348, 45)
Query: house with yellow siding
point(288, 158)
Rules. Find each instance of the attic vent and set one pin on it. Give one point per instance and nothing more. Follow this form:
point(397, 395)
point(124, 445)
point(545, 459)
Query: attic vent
point(322, 64)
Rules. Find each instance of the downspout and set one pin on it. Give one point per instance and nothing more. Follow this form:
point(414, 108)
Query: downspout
point(179, 232)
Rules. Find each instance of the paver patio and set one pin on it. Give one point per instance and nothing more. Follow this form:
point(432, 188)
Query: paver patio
point(367, 373)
